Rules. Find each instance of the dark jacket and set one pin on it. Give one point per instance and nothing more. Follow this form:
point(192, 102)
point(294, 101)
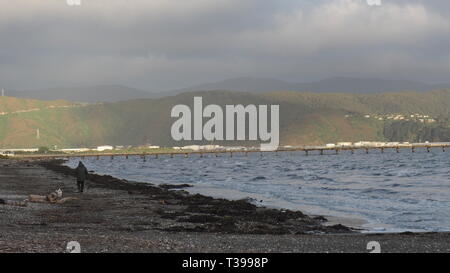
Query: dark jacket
point(81, 172)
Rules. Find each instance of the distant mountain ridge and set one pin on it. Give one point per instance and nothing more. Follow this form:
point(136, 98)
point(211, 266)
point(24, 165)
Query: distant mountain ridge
point(330, 85)
point(115, 93)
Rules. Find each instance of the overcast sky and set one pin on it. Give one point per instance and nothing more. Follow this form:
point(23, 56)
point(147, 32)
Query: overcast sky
point(168, 44)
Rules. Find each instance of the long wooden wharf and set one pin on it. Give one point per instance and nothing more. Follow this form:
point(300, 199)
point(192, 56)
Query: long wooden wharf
point(306, 149)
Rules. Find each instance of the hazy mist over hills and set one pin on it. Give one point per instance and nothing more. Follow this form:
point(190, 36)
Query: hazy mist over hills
point(330, 85)
point(115, 93)
point(92, 94)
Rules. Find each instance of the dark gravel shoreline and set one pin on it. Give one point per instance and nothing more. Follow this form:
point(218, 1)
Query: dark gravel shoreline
point(206, 214)
point(123, 216)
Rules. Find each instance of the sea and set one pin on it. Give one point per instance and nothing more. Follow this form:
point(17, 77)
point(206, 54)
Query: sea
point(387, 192)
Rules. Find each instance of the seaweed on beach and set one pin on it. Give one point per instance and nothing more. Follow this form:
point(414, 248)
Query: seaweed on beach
point(199, 213)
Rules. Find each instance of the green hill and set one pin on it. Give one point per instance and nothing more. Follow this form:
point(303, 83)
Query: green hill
point(305, 118)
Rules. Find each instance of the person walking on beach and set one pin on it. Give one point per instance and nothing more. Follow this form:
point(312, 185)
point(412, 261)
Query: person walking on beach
point(81, 173)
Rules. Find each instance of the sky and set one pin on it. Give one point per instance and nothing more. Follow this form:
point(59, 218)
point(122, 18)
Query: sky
point(159, 45)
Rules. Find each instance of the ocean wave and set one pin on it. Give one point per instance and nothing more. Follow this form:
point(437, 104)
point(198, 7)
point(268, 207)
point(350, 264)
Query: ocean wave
point(258, 178)
point(379, 191)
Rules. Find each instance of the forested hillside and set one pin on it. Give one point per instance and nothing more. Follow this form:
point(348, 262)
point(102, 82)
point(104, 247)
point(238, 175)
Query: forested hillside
point(305, 118)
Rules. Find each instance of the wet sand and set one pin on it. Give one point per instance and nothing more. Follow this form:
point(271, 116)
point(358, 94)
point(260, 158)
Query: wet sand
point(123, 216)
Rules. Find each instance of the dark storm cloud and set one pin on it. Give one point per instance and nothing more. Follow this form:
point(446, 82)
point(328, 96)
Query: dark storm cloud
point(164, 44)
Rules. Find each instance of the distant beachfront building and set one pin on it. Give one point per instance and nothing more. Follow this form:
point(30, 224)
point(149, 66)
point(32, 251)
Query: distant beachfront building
point(344, 144)
point(191, 147)
point(361, 143)
point(27, 150)
point(200, 147)
point(369, 144)
point(242, 148)
point(209, 147)
point(392, 143)
point(104, 148)
point(75, 150)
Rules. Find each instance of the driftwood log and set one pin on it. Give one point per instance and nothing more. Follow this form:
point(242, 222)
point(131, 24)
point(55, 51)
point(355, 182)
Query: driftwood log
point(52, 198)
point(48, 199)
